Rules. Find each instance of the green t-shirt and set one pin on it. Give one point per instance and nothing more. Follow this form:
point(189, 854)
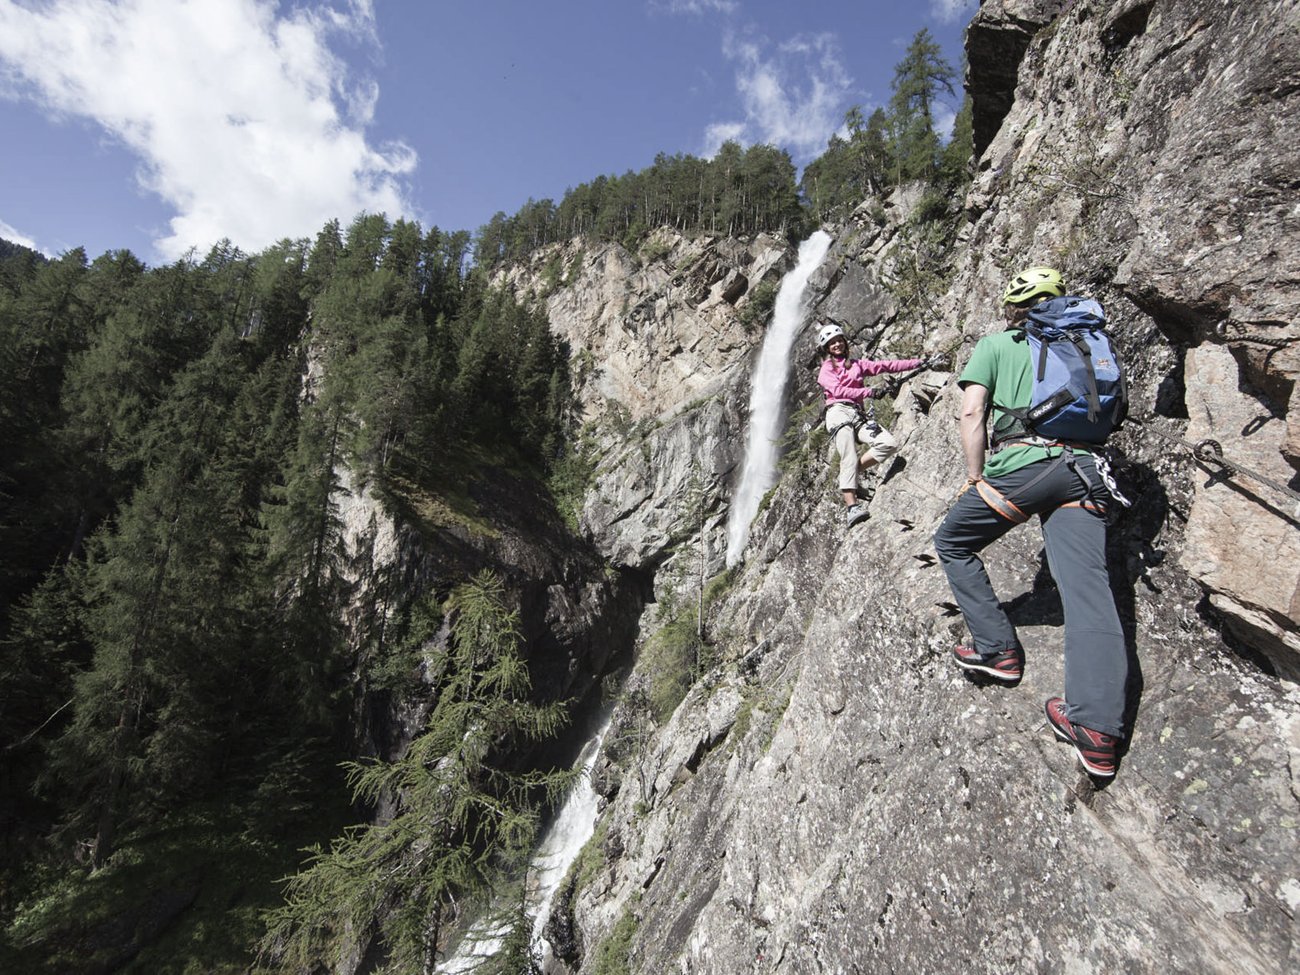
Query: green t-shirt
point(1000, 363)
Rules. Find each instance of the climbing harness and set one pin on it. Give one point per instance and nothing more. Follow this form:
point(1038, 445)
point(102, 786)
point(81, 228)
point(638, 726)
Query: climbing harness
point(861, 418)
point(1210, 452)
point(999, 502)
point(1100, 457)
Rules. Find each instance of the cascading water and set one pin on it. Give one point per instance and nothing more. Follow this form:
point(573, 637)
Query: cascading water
point(767, 394)
point(560, 845)
point(568, 834)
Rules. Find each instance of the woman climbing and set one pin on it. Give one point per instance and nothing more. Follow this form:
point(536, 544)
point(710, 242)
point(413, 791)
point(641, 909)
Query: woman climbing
point(841, 380)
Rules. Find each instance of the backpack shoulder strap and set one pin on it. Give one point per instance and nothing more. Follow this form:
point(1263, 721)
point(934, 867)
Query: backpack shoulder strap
point(1085, 353)
point(1020, 333)
point(1044, 343)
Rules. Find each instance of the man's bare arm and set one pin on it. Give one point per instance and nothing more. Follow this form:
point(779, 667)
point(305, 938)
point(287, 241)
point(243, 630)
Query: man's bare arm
point(974, 399)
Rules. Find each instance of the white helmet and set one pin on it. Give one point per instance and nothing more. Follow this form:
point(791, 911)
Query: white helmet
point(829, 331)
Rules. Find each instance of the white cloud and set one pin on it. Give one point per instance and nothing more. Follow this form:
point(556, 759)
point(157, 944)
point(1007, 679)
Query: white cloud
point(944, 118)
point(695, 6)
point(16, 236)
point(720, 132)
point(244, 120)
point(793, 97)
point(948, 11)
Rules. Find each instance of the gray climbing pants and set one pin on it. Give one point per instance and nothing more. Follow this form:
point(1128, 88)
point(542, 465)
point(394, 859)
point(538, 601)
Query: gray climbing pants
point(1072, 516)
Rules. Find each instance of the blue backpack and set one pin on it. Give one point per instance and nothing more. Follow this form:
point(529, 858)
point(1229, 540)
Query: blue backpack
point(1080, 394)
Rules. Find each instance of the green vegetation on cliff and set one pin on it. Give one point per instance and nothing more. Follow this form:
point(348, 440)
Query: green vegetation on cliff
point(461, 818)
point(897, 143)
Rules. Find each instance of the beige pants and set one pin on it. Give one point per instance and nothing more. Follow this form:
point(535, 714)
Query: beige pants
point(882, 444)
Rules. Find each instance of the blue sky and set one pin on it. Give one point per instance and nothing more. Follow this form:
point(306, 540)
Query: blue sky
point(161, 125)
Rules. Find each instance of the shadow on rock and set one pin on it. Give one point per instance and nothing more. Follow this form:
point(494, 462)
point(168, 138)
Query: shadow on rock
point(1131, 552)
point(1040, 604)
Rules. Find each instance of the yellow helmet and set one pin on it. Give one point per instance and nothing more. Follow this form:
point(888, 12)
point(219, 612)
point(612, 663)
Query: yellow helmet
point(1031, 283)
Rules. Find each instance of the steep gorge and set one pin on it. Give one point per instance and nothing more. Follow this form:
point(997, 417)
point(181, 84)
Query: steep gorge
point(832, 795)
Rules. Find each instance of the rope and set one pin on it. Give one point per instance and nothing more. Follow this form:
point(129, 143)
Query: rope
point(1210, 452)
point(1233, 331)
point(860, 419)
point(895, 380)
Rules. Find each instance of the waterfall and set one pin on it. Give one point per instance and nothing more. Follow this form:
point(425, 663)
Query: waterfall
point(767, 394)
point(568, 834)
point(572, 827)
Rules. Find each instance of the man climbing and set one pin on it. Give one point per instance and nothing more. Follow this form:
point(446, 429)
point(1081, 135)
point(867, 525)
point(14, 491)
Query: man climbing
point(841, 380)
point(1066, 486)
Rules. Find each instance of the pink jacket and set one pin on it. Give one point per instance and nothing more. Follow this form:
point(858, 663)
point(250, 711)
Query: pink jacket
point(841, 379)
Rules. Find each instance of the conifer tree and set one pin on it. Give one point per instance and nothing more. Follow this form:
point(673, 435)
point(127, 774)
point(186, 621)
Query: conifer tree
point(918, 79)
point(322, 259)
point(827, 181)
point(307, 553)
point(491, 241)
point(956, 163)
point(871, 152)
point(460, 817)
point(516, 954)
point(279, 309)
point(403, 257)
point(40, 651)
point(150, 709)
point(444, 256)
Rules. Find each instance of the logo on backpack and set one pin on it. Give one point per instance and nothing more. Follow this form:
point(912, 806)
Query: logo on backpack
point(1080, 393)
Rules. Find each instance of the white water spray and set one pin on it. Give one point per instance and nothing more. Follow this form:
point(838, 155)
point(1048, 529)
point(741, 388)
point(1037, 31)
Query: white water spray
point(563, 840)
point(568, 834)
point(767, 393)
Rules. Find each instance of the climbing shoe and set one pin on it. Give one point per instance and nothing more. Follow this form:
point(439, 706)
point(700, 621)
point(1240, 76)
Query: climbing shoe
point(1096, 751)
point(1005, 665)
point(856, 513)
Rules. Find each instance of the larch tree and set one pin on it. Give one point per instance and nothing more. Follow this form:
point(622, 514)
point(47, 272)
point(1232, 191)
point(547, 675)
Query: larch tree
point(461, 819)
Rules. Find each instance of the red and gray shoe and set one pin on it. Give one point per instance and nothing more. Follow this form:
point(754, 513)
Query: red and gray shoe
point(1007, 666)
point(1096, 751)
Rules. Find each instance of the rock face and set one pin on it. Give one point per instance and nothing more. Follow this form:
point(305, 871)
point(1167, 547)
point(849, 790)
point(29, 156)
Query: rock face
point(833, 796)
point(1242, 539)
point(577, 616)
point(1151, 149)
point(660, 347)
point(657, 329)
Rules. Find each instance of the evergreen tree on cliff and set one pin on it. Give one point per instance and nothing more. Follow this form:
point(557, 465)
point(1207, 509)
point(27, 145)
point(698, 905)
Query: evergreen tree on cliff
point(461, 817)
point(918, 79)
point(894, 144)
